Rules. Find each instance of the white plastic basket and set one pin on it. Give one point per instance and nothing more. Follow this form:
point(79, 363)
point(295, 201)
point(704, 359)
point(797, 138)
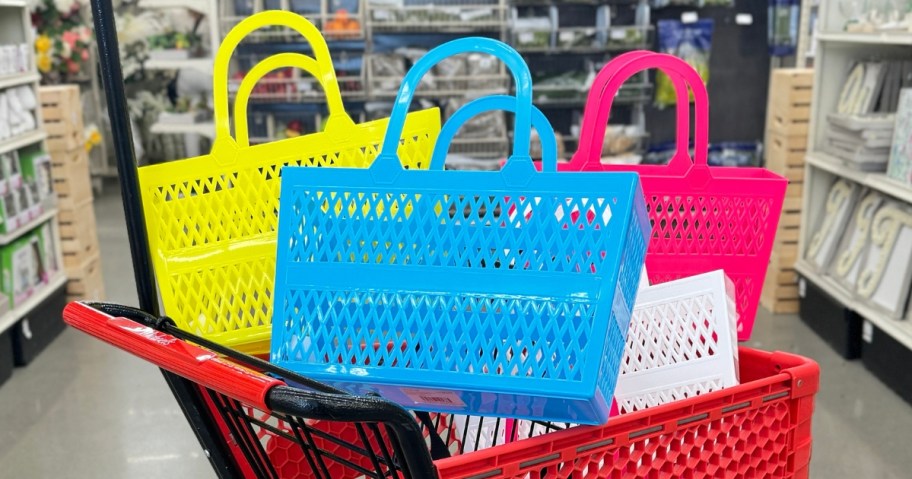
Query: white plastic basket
point(682, 342)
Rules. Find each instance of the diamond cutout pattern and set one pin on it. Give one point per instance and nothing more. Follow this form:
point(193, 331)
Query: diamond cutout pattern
point(735, 230)
point(752, 443)
point(232, 209)
point(466, 324)
point(671, 333)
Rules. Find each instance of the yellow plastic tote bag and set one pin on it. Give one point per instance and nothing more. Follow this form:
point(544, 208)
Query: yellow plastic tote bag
point(211, 220)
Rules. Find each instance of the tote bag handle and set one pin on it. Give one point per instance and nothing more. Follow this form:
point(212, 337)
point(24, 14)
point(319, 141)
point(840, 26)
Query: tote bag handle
point(338, 120)
point(388, 157)
point(322, 63)
point(494, 103)
point(605, 88)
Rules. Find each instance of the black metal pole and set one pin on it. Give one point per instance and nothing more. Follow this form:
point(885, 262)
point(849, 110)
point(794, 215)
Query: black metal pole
point(188, 395)
point(112, 79)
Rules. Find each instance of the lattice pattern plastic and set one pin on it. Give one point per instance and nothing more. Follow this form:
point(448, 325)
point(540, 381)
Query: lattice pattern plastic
point(704, 218)
point(211, 220)
point(681, 342)
point(455, 295)
point(761, 428)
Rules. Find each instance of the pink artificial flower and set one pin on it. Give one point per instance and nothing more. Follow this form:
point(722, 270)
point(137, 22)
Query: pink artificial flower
point(85, 54)
point(70, 37)
point(85, 34)
point(72, 66)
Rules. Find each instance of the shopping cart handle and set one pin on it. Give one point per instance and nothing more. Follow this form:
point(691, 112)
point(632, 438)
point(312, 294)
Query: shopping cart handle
point(135, 336)
point(352, 408)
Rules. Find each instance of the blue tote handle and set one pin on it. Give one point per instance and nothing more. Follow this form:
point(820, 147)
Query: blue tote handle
point(494, 103)
point(388, 157)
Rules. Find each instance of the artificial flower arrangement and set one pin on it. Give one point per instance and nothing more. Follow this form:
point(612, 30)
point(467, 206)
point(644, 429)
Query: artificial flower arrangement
point(63, 41)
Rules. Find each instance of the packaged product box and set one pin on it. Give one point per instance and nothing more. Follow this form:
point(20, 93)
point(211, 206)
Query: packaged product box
point(35, 166)
point(22, 267)
point(49, 251)
point(9, 212)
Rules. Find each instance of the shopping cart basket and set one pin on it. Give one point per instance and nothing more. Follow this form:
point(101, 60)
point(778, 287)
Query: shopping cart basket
point(704, 218)
point(211, 219)
point(281, 425)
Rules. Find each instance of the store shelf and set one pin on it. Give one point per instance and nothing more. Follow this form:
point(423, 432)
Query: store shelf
point(19, 312)
point(18, 141)
point(201, 6)
point(201, 64)
point(12, 3)
point(899, 330)
point(8, 238)
point(879, 38)
point(18, 79)
point(876, 181)
point(206, 129)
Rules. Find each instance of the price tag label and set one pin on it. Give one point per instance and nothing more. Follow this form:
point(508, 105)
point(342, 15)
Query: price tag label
point(566, 36)
point(434, 397)
point(526, 37)
point(618, 33)
point(867, 332)
point(744, 19)
point(689, 17)
point(802, 288)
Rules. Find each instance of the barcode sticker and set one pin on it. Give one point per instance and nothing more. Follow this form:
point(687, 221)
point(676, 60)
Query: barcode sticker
point(434, 397)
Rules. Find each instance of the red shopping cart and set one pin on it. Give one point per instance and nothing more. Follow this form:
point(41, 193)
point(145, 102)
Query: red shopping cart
point(255, 420)
point(272, 423)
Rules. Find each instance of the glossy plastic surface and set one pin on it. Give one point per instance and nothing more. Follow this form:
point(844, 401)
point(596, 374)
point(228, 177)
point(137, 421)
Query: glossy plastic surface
point(501, 293)
point(197, 364)
point(211, 220)
point(761, 428)
point(704, 218)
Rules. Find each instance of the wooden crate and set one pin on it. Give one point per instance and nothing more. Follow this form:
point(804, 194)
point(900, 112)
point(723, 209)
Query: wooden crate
point(789, 105)
point(780, 289)
point(61, 111)
point(78, 235)
point(785, 155)
point(72, 180)
point(86, 281)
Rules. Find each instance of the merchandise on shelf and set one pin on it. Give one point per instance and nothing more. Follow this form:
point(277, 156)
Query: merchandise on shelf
point(899, 167)
point(24, 266)
point(17, 111)
point(688, 41)
point(14, 59)
point(23, 187)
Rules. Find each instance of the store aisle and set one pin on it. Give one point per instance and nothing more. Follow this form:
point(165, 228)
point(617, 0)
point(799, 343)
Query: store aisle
point(86, 410)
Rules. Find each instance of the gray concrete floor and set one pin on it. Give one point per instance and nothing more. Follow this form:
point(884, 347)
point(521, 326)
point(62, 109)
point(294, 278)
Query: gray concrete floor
point(85, 410)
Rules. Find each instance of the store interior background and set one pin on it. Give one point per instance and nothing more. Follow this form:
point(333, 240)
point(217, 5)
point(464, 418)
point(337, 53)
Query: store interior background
point(84, 409)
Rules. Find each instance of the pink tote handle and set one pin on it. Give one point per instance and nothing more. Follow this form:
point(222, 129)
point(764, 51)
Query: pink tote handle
point(612, 77)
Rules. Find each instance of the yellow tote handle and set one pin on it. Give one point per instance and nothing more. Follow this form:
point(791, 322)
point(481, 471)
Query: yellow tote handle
point(327, 74)
point(338, 118)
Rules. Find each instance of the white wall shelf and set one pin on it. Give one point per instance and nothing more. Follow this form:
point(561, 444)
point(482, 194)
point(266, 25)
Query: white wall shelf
point(8, 81)
point(22, 140)
point(876, 181)
point(19, 312)
point(900, 330)
point(836, 52)
point(882, 38)
point(201, 64)
point(7, 238)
